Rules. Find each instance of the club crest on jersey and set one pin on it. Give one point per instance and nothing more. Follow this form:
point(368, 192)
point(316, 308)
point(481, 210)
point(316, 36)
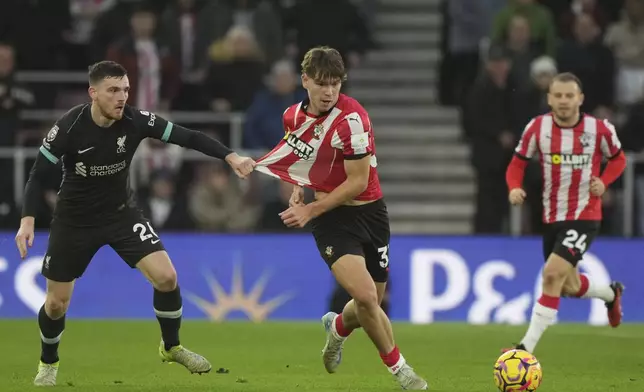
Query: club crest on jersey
point(53, 132)
point(318, 130)
point(577, 161)
point(300, 148)
point(586, 139)
point(120, 144)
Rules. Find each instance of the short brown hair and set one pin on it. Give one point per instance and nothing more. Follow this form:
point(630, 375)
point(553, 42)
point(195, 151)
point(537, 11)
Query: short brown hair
point(324, 63)
point(105, 69)
point(567, 77)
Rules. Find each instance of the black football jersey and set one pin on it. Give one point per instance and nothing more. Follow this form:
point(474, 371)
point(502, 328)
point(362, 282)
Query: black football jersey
point(96, 162)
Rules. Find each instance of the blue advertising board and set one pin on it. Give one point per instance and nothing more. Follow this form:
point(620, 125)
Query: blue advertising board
point(282, 277)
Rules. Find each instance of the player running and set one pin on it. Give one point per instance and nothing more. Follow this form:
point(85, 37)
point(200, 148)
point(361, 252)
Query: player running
point(96, 142)
point(329, 147)
point(570, 146)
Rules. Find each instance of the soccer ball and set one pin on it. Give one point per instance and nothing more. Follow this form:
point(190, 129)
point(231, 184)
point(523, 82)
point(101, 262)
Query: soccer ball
point(517, 370)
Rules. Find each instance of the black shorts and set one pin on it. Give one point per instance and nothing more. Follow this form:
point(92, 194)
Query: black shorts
point(569, 239)
point(71, 249)
point(356, 230)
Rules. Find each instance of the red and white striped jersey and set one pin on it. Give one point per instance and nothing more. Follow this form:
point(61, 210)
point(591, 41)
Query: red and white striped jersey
point(569, 158)
point(313, 151)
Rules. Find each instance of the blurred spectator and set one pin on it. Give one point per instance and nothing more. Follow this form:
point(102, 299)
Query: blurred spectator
point(218, 204)
point(187, 28)
point(461, 62)
point(153, 72)
point(153, 156)
point(626, 39)
point(540, 22)
point(110, 26)
point(591, 8)
point(13, 98)
point(527, 105)
point(236, 71)
point(258, 16)
point(83, 14)
point(264, 128)
point(594, 64)
point(487, 122)
point(165, 209)
point(309, 21)
point(632, 137)
point(533, 101)
point(522, 52)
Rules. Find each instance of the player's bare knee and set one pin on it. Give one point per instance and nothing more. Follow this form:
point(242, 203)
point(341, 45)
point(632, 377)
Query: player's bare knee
point(56, 306)
point(553, 278)
point(366, 299)
point(158, 269)
point(165, 280)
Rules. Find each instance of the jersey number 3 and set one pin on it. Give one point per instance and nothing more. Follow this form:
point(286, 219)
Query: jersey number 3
point(143, 234)
point(575, 241)
point(384, 256)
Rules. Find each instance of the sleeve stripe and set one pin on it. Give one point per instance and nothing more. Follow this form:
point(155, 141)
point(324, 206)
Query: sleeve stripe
point(522, 157)
point(167, 132)
point(50, 157)
point(618, 153)
point(357, 128)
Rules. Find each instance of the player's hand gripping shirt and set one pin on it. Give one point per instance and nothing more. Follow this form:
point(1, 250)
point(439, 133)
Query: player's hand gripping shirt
point(313, 151)
point(569, 159)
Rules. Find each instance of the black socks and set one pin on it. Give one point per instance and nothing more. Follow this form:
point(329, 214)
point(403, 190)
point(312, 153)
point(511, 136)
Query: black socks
point(50, 333)
point(168, 308)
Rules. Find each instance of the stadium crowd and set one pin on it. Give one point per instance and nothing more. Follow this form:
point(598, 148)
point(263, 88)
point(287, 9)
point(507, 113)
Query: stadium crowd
point(241, 56)
point(499, 57)
point(221, 56)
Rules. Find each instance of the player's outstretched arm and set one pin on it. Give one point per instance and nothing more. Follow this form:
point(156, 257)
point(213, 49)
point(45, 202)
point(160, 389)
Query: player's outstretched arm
point(159, 128)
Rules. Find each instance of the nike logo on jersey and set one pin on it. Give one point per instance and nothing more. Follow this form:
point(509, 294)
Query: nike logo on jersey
point(85, 150)
point(154, 241)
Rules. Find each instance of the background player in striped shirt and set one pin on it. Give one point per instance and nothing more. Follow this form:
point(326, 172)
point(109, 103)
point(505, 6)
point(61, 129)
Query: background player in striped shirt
point(570, 146)
point(329, 147)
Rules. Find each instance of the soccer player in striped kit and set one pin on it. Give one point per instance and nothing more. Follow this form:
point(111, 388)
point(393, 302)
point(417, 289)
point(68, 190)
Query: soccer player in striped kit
point(329, 147)
point(570, 146)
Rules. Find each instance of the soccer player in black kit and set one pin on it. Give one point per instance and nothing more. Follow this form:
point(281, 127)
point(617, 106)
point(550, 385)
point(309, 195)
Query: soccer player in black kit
point(96, 142)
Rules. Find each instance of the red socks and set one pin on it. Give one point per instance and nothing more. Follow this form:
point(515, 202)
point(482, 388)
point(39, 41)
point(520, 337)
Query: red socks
point(583, 289)
point(392, 358)
point(339, 327)
point(550, 302)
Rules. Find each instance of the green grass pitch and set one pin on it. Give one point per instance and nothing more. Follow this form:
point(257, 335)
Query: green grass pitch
point(121, 356)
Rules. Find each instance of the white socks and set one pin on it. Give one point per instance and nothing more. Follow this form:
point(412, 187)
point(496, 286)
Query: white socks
point(542, 318)
point(595, 290)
